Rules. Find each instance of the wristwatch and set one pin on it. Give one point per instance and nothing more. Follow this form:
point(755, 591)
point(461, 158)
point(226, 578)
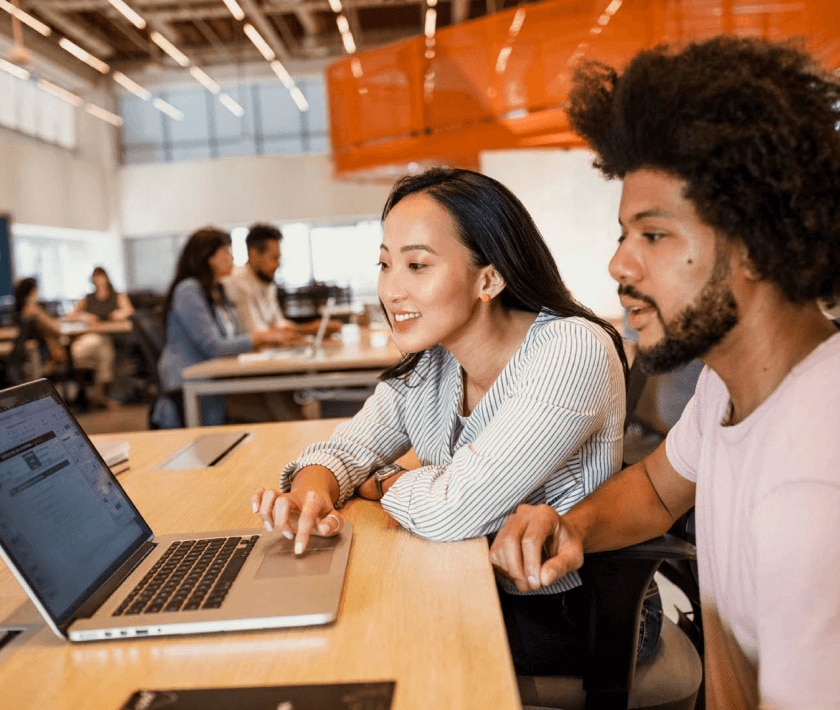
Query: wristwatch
point(384, 473)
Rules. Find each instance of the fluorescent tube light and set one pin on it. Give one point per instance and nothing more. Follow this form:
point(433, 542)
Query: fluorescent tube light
point(83, 56)
point(348, 42)
point(431, 21)
point(335, 6)
point(14, 70)
point(282, 74)
point(235, 10)
point(231, 105)
point(168, 109)
point(25, 18)
point(258, 41)
point(60, 93)
point(128, 14)
point(299, 98)
point(169, 48)
point(132, 86)
point(201, 77)
point(103, 115)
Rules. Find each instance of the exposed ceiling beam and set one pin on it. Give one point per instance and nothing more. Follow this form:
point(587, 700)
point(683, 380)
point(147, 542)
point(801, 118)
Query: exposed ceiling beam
point(460, 11)
point(71, 28)
point(265, 28)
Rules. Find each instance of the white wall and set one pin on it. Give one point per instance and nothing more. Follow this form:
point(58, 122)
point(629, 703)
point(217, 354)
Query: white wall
point(177, 198)
point(575, 208)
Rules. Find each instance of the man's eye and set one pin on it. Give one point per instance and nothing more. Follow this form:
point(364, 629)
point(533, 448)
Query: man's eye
point(653, 236)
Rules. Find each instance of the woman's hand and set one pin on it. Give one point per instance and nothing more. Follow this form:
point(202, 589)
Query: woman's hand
point(297, 514)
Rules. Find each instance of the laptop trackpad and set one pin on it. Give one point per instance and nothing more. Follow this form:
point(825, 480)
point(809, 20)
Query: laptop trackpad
point(280, 559)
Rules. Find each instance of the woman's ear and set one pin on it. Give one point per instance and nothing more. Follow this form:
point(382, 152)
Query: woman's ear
point(492, 282)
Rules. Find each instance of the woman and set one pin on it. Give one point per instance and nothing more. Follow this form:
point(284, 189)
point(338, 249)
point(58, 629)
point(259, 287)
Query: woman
point(201, 324)
point(95, 351)
point(36, 324)
point(509, 392)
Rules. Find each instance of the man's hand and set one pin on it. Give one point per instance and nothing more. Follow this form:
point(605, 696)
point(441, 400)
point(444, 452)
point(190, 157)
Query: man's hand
point(536, 547)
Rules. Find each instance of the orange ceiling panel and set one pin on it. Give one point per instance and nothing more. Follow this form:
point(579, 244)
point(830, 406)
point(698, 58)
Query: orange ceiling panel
point(501, 81)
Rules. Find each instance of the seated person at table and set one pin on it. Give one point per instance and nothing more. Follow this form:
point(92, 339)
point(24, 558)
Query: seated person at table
point(252, 290)
point(95, 351)
point(201, 324)
point(509, 391)
point(253, 293)
point(730, 235)
point(36, 323)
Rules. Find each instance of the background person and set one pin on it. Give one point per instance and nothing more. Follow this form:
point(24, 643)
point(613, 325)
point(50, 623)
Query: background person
point(95, 351)
point(252, 291)
point(509, 391)
point(34, 321)
point(201, 324)
point(730, 233)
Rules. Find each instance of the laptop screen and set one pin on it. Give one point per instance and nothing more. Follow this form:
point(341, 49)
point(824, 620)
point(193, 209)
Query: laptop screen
point(65, 522)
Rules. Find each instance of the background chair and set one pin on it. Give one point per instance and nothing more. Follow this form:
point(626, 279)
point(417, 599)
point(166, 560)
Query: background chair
point(616, 583)
point(150, 333)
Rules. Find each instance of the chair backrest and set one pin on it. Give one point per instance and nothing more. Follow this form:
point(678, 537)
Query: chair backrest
point(150, 331)
point(616, 583)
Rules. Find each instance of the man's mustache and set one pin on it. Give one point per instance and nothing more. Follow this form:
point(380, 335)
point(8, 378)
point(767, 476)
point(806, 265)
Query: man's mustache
point(627, 290)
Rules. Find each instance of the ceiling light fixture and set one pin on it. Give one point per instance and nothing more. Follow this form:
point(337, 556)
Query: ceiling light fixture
point(202, 78)
point(349, 43)
point(14, 70)
point(282, 73)
point(237, 12)
point(299, 98)
point(231, 105)
point(132, 86)
point(168, 109)
point(60, 93)
point(169, 48)
point(104, 115)
point(25, 18)
point(431, 22)
point(258, 41)
point(83, 55)
point(335, 6)
point(128, 14)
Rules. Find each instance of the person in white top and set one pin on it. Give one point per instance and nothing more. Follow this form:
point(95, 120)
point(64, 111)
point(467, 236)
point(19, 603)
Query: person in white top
point(509, 391)
point(730, 238)
point(253, 292)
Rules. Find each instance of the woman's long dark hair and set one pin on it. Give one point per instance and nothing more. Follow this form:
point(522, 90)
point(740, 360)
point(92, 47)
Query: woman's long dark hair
point(22, 290)
point(194, 263)
point(100, 271)
point(497, 229)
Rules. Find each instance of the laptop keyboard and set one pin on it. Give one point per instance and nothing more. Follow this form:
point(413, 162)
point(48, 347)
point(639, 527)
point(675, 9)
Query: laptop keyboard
point(191, 575)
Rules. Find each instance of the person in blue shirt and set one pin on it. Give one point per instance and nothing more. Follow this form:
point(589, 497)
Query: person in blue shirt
point(201, 324)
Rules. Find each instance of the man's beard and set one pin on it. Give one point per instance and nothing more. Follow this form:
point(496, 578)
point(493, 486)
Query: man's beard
point(695, 330)
point(265, 278)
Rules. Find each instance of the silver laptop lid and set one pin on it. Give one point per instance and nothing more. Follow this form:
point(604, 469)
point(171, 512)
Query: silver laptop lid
point(66, 524)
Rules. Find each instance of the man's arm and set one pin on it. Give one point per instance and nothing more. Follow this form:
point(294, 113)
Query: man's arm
point(536, 546)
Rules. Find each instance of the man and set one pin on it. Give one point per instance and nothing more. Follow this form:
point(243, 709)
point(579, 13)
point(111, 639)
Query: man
point(730, 234)
point(252, 290)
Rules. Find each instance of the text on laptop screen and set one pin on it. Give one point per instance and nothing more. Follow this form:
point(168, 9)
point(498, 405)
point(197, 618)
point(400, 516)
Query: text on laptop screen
point(64, 519)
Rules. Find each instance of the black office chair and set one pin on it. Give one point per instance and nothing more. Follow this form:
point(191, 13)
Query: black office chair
point(150, 332)
point(616, 582)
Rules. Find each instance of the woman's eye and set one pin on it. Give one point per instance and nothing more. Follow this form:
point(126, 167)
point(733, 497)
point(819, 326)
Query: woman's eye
point(381, 265)
point(414, 266)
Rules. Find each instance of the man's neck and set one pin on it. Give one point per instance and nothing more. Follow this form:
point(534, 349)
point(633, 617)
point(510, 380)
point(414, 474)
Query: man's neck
point(771, 338)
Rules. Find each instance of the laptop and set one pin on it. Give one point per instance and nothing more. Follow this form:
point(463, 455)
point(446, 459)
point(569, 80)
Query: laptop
point(310, 350)
point(80, 547)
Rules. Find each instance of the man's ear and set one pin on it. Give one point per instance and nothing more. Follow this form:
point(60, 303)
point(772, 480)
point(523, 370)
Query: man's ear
point(747, 265)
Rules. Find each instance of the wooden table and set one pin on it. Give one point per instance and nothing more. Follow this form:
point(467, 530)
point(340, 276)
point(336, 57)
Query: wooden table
point(335, 365)
point(423, 614)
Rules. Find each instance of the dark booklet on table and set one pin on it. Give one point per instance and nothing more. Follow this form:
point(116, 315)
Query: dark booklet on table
point(333, 696)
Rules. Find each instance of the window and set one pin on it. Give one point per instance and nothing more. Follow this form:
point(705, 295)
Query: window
point(271, 124)
point(26, 108)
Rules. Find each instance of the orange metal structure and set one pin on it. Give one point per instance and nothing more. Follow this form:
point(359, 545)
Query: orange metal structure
point(501, 81)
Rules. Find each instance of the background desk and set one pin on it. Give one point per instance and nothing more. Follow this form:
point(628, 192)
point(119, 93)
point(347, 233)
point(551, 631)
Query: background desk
point(424, 614)
point(335, 365)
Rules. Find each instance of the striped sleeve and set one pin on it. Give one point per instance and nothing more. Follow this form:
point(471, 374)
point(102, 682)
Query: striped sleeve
point(549, 428)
